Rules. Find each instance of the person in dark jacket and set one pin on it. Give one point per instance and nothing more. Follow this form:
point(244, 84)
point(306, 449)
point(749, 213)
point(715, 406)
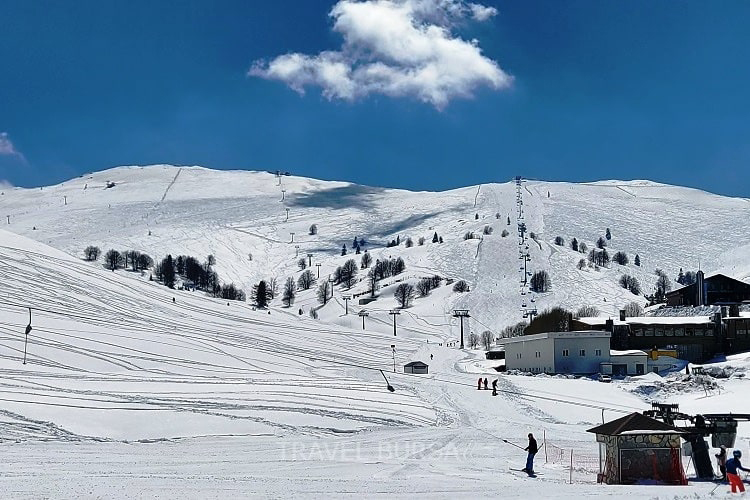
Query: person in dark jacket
point(733, 467)
point(494, 387)
point(486, 384)
point(479, 384)
point(721, 461)
point(532, 448)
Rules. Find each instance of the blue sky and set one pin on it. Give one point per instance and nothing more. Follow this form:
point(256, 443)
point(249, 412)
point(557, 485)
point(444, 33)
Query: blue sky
point(554, 90)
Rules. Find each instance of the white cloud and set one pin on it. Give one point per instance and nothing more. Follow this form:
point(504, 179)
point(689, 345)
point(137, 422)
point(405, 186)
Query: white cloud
point(7, 148)
point(482, 12)
point(396, 48)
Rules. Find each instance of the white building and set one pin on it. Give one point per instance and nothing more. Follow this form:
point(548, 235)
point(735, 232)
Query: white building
point(632, 362)
point(557, 352)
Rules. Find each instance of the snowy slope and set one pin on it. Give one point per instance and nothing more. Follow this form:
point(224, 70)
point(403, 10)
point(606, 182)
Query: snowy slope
point(235, 214)
point(127, 392)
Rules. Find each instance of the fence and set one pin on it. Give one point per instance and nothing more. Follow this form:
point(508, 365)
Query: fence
point(583, 467)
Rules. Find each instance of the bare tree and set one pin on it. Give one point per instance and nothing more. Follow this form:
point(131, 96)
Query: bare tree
point(306, 280)
point(540, 282)
point(587, 312)
point(324, 292)
point(113, 259)
point(473, 340)
point(290, 292)
point(302, 263)
point(424, 286)
point(348, 273)
point(404, 294)
point(633, 310)
point(366, 260)
point(487, 339)
point(91, 253)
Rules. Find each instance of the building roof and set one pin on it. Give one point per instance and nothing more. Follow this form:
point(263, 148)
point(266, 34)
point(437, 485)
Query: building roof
point(416, 363)
point(648, 320)
point(555, 335)
point(691, 287)
point(634, 423)
point(630, 352)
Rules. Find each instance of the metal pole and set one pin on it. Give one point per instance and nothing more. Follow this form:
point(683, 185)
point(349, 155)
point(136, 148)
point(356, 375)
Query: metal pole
point(346, 298)
point(318, 266)
point(461, 314)
point(394, 313)
point(571, 466)
point(309, 260)
point(393, 348)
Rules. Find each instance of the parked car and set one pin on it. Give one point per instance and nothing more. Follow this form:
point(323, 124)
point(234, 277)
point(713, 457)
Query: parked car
point(605, 378)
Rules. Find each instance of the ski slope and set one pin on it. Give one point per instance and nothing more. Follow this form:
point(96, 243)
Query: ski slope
point(241, 219)
point(133, 389)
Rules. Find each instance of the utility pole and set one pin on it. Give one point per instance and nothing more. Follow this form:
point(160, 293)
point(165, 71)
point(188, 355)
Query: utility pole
point(309, 260)
point(393, 349)
point(461, 313)
point(394, 313)
point(287, 215)
point(283, 193)
point(347, 298)
point(26, 342)
point(8, 216)
point(318, 266)
point(363, 315)
point(296, 247)
point(330, 283)
point(65, 198)
point(292, 235)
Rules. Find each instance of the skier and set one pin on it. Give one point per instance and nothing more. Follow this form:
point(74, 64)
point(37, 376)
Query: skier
point(486, 384)
point(721, 460)
point(733, 465)
point(494, 387)
point(532, 448)
point(479, 384)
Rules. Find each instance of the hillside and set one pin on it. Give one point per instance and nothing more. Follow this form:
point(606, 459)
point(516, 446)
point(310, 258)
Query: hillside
point(241, 219)
point(131, 388)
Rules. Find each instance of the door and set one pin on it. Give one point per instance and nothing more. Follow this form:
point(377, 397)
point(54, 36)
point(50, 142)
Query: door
point(639, 369)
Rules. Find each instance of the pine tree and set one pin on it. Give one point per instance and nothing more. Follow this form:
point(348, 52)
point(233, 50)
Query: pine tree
point(167, 269)
point(343, 249)
point(260, 294)
point(681, 277)
point(574, 244)
point(608, 235)
point(435, 237)
point(637, 260)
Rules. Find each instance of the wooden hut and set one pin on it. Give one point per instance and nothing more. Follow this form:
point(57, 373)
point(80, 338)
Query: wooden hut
point(637, 449)
point(416, 367)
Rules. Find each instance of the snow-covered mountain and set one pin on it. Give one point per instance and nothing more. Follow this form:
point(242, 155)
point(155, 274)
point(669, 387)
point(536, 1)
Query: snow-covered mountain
point(133, 389)
point(241, 218)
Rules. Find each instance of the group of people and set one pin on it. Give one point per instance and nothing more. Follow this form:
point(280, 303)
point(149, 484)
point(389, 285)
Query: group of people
point(484, 381)
point(730, 468)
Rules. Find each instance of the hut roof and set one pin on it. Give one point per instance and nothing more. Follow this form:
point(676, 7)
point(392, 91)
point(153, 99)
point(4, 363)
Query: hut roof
point(416, 363)
point(633, 424)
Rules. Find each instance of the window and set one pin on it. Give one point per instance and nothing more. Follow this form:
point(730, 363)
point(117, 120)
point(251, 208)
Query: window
point(565, 352)
point(598, 352)
point(538, 354)
point(688, 332)
point(649, 331)
point(679, 332)
point(638, 332)
point(660, 331)
point(582, 352)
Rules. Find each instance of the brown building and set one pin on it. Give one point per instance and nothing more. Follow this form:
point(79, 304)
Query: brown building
point(714, 290)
